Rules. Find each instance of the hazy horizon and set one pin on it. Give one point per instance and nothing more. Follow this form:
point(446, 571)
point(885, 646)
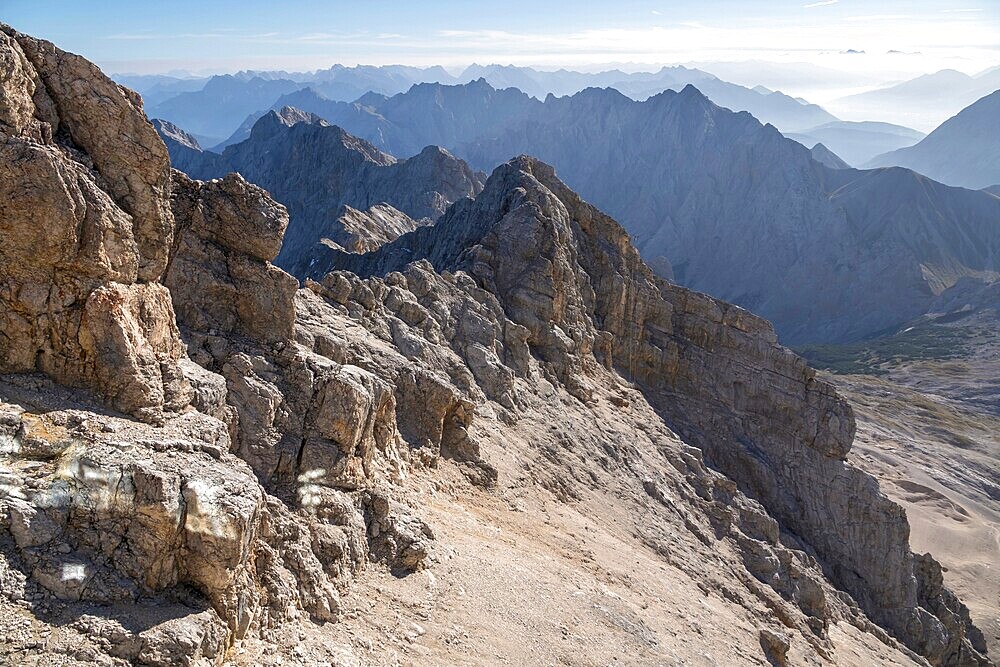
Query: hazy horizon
point(893, 40)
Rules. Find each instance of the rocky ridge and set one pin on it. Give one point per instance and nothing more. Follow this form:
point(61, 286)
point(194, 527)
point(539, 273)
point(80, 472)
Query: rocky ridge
point(258, 443)
point(315, 169)
point(686, 352)
point(714, 200)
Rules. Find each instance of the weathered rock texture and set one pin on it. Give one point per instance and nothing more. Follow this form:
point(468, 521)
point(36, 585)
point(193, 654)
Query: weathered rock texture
point(315, 169)
point(86, 229)
point(307, 422)
point(570, 277)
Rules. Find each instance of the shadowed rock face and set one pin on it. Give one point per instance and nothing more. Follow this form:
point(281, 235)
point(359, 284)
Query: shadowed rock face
point(245, 509)
point(569, 275)
point(314, 169)
point(87, 228)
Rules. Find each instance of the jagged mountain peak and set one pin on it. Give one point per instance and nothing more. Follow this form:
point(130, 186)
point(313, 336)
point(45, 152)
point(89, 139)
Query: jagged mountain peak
point(292, 124)
point(168, 130)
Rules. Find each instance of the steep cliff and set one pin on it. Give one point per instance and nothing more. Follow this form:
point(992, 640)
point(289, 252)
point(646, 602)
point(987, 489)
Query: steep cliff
point(517, 352)
point(315, 169)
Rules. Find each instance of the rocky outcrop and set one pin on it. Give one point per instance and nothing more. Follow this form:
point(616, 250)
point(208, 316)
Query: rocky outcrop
point(79, 300)
point(220, 276)
point(101, 245)
point(315, 169)
point(364, 231)
point(726, 199)
point(568, 275)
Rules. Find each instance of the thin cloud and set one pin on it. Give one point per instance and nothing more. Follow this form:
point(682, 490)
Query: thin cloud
point(823, 3)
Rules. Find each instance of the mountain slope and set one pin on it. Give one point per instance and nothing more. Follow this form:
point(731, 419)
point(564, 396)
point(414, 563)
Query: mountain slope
point(509, 225)
point(217, 108)
point(725, 200)
point(924, 102)
point(828, 158)
point(964, 150)
point(857, 142)
point(315, 169)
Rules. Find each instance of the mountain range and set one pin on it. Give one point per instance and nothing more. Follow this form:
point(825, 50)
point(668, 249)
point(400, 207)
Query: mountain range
point(924, 102)
point(223, 103)
point(316, 170)
point(715, 201)
point(964, 150)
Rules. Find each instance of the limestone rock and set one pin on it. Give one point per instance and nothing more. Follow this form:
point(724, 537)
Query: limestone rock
point(569, 276)
point(87, 227)
point(93, 110)
point(315, 169)
point(220, 276)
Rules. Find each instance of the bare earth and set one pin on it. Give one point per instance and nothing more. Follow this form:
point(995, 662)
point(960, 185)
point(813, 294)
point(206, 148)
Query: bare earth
point(927, 432)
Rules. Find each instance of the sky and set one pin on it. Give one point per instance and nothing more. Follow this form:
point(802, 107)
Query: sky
point(874, 41)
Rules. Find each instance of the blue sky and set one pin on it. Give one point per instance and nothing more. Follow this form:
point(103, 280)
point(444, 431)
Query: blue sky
point(213, 35)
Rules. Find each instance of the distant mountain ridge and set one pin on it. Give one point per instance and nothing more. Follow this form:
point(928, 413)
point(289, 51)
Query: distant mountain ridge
point(316, 169)
point(858, 142)
point(923, 102)
point(225, 102)
point(715, 200)
point(963, 151)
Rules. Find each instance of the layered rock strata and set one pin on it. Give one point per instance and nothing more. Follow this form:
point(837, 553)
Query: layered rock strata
point(237, 508)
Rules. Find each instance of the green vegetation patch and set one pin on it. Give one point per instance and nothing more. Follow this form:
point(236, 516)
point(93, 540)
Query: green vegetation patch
point(877, 356)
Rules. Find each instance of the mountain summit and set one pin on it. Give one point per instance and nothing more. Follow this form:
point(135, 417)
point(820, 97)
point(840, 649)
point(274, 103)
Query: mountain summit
point(518, 426)
point(963, 151)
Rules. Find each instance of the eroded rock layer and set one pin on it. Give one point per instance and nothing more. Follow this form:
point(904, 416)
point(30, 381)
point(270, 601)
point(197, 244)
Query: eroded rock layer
point(247, 448)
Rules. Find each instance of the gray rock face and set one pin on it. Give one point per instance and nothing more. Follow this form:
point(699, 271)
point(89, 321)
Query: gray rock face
point(568, 275)
point(305, 419)
point(963, 151)
point(726, 200)
point(315, 169)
